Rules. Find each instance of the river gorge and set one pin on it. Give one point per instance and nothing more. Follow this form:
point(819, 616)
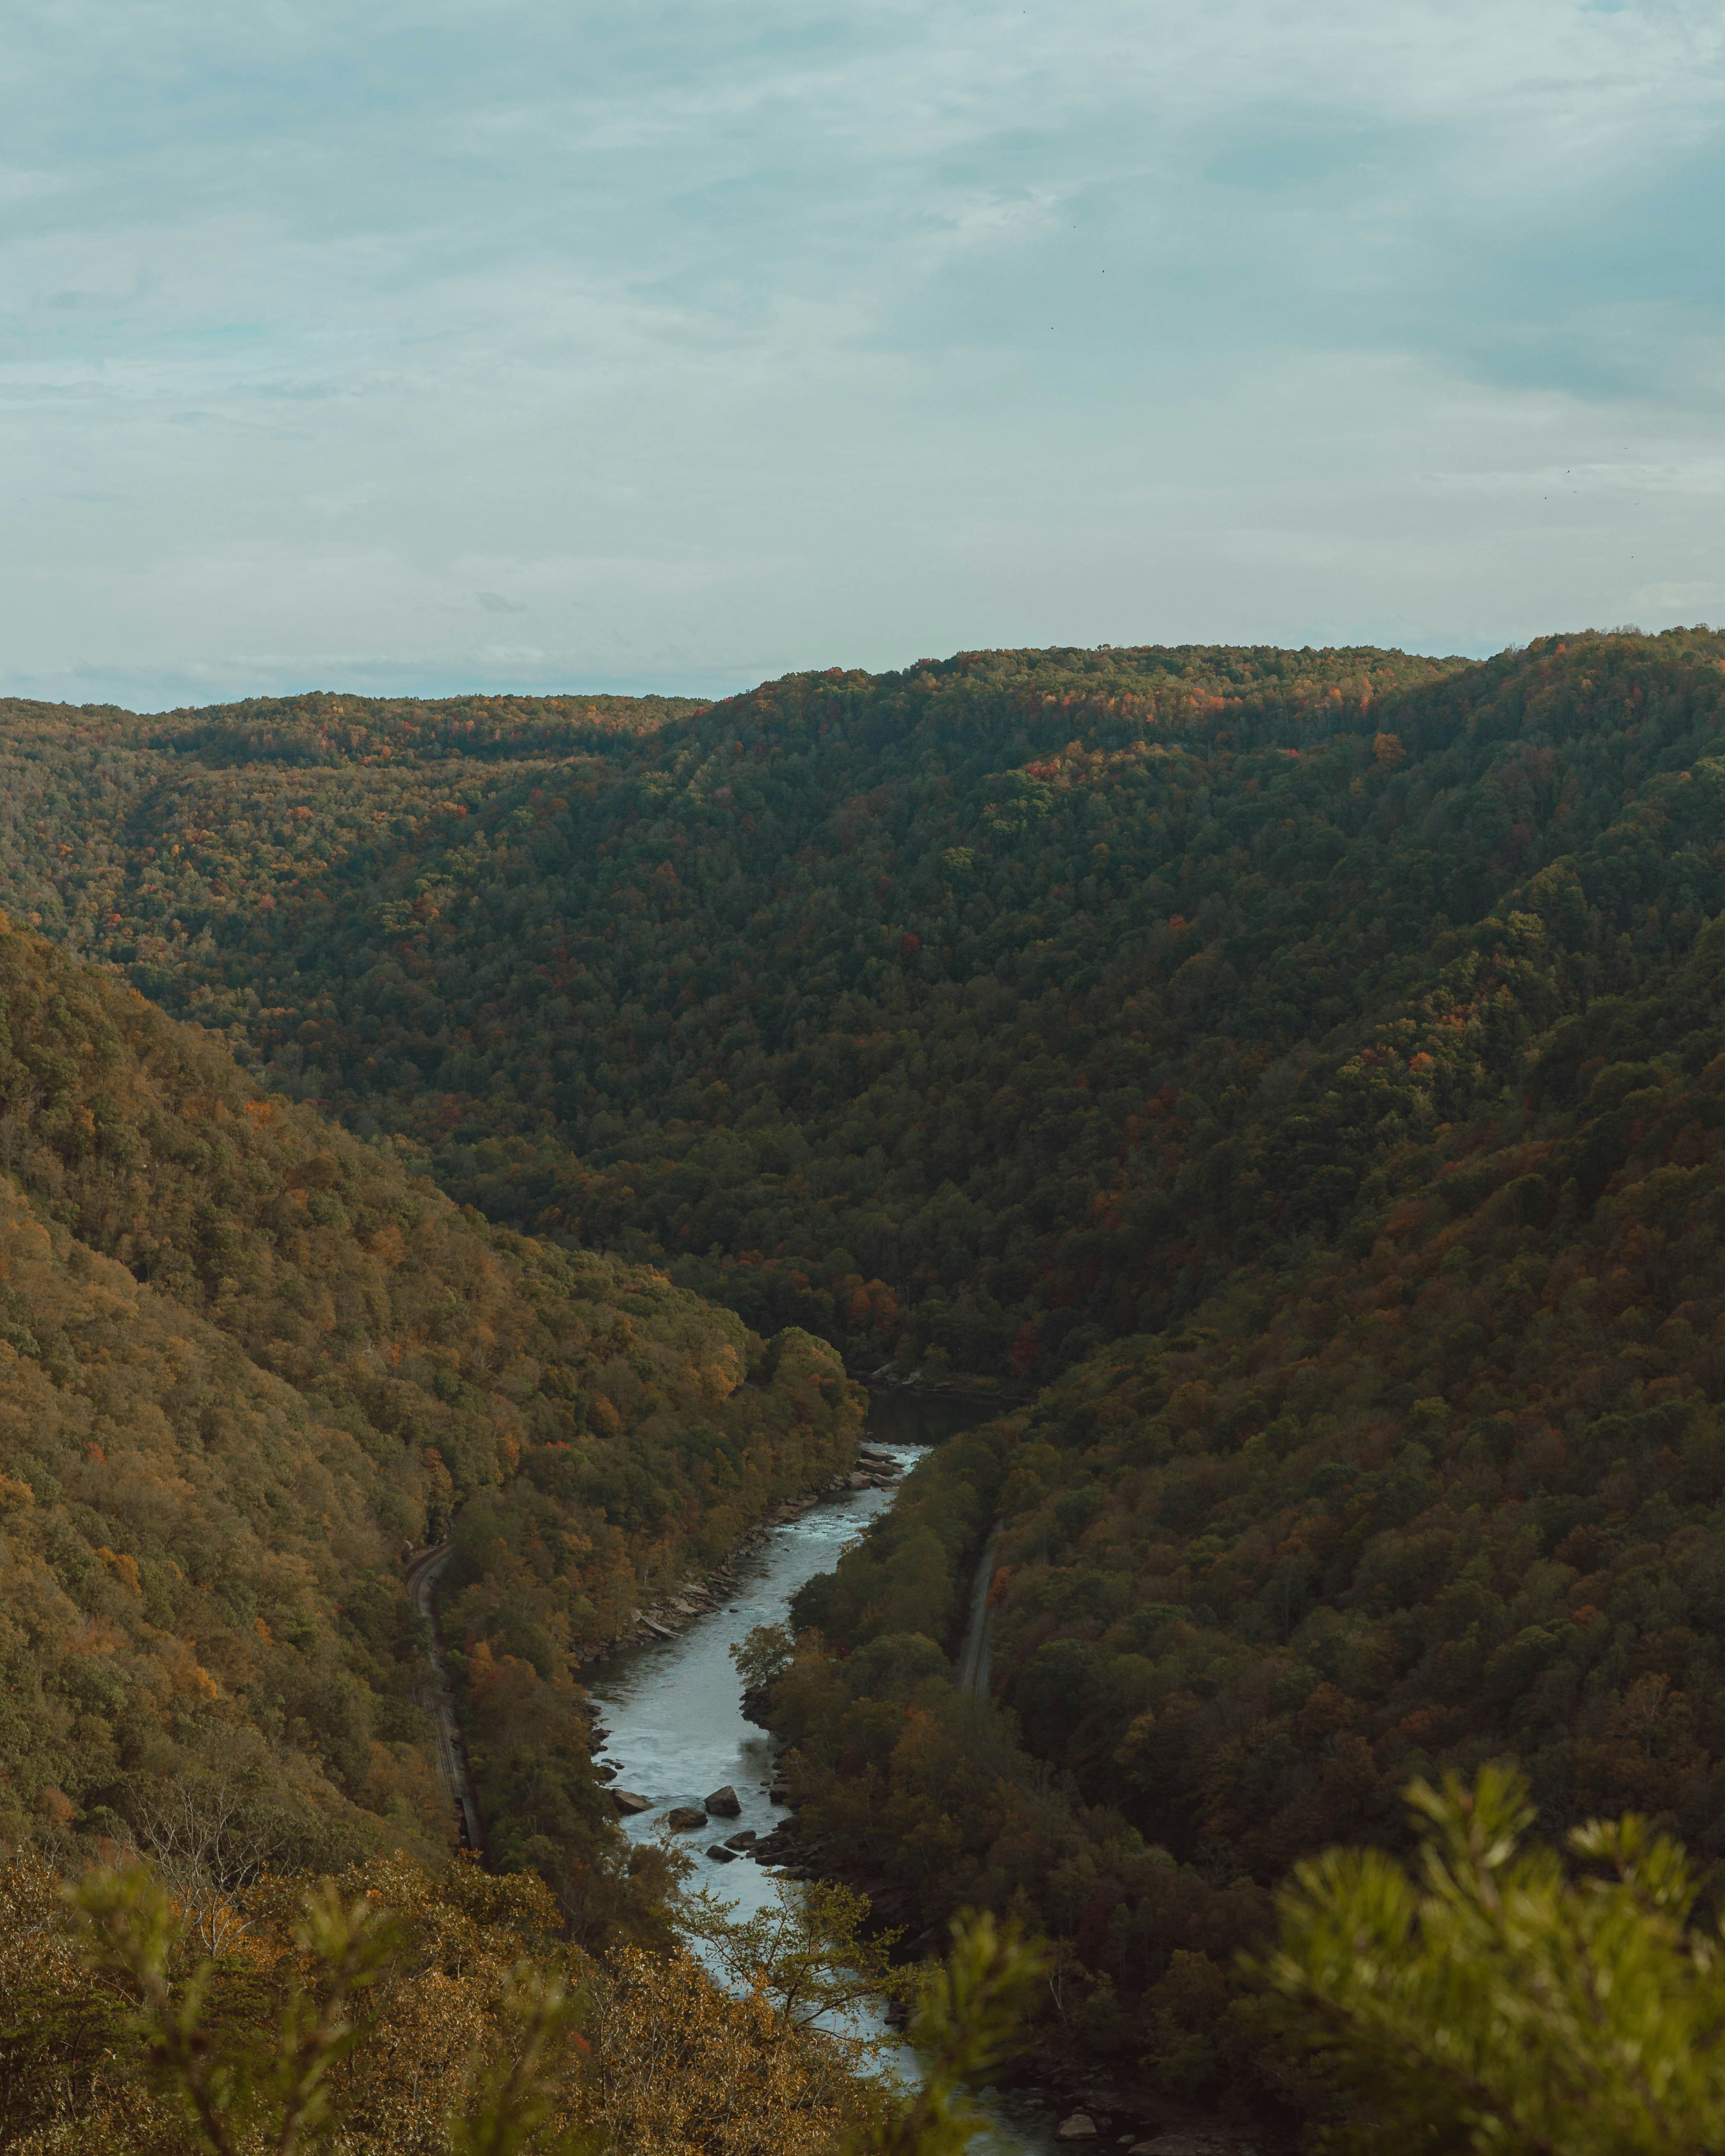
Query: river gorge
point(674, 1714)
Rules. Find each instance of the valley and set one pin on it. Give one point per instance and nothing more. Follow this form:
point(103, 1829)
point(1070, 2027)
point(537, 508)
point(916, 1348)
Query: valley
point(1281, 1094)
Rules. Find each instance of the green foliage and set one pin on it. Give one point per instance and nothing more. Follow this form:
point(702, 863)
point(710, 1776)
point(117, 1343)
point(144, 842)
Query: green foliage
point(389, 2012)
point(812, 1953)
point(806, 994)
point(974, 1013)
point(1491, 2002)
point(967, 2025)
point(510, 2099)
point(1444, 1489)
point(765, 1653)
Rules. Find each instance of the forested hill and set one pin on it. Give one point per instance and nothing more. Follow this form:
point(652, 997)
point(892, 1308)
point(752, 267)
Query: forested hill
point(975, 1013)
point(1441, 1484)
point(244, 1358)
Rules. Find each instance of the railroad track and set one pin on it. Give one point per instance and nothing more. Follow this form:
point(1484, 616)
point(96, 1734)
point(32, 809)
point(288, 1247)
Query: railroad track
point(978, 1652)
point(422, 1572)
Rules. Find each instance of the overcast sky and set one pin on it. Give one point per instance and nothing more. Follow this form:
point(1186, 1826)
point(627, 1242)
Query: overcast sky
point(559, 344)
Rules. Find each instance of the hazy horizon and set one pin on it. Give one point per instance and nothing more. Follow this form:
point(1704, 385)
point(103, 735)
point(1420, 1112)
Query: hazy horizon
point(497, 348)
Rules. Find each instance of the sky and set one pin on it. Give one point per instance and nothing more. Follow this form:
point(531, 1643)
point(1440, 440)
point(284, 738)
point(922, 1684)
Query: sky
point(552, 345)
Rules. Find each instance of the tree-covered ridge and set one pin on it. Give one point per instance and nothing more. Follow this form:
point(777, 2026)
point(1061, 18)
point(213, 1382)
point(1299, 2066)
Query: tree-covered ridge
point(347, 730)
point(323, 727)
point(245, 1357)
point(852, 976)
point(990, 1010)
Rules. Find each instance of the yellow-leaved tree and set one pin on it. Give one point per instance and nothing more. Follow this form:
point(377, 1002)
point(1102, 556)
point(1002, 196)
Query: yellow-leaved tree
point(397, 2013)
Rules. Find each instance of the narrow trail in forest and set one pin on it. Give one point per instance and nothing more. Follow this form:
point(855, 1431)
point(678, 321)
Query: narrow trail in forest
point(979, 1634)
point(423, 1573)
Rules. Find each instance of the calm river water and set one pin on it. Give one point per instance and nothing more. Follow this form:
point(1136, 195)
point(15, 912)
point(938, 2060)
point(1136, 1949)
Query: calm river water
point(673, 1712)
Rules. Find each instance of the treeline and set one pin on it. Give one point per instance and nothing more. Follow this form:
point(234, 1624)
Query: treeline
point(244, 1358)
point(363, 731)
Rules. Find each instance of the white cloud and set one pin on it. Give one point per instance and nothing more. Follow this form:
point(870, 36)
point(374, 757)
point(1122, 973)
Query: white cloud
point(733, 339)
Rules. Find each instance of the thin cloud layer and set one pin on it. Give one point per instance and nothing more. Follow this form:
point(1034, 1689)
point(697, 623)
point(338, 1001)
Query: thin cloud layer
point(514, 345)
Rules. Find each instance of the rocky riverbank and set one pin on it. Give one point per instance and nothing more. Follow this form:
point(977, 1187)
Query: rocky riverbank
point(702, 1593)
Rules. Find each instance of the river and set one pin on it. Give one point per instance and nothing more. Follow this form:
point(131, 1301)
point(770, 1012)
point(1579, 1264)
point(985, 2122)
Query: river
point(673, 1710)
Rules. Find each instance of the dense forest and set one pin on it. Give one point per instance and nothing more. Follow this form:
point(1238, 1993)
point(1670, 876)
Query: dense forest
point(757, 993)
point(1291, 1080)
point(1445, 1486)
point(244, 1359)
point(980, 1012)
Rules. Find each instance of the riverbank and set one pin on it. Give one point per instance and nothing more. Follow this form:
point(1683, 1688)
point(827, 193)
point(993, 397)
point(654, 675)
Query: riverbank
point(703, 1592)
point(1056, 2092)
point(674, 1732)
point(905, 1416)
point(957, 1387)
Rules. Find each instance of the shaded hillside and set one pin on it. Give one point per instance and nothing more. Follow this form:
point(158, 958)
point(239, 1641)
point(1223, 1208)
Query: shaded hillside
point(1453, 1491)
point(244, 1358)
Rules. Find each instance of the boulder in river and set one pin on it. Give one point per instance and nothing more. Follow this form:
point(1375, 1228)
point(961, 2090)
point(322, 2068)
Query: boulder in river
point(1079, 2126)
point(724, 1855)
point(746, 1839)
point(627, 1802)
point(680, 1816)
point(725, 1802)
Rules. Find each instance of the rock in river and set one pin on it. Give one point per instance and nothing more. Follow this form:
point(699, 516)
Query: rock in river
point(628, 1802)
point(684, 1816)
point(724, 1855)
point(1080, 2127)
point(725, 1802)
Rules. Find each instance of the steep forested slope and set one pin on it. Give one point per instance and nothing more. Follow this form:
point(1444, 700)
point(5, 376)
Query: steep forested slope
point(1448, 1488)
point(242, 1358)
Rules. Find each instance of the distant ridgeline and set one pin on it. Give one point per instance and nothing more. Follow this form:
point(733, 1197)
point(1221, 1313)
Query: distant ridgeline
point(976, 1012)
